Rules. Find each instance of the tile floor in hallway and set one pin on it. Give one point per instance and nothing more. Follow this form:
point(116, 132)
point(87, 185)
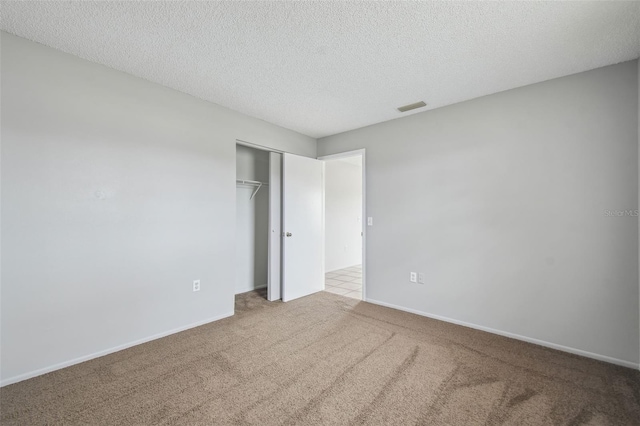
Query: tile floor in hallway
point(346, 282)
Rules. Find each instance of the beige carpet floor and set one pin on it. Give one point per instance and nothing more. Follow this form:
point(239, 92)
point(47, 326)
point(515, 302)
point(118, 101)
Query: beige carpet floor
point(327, 359)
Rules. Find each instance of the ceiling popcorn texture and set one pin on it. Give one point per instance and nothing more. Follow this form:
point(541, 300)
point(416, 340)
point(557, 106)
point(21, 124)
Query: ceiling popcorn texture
point(322, 68)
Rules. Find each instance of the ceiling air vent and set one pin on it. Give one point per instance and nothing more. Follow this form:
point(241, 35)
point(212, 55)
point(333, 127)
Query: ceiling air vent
point(412, 106)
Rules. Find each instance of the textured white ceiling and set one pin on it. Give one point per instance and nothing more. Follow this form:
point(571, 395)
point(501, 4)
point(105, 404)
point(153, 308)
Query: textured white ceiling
point(326, 67)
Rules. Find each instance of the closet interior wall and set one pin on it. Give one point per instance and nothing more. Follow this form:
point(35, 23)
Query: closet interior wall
point(252, 220)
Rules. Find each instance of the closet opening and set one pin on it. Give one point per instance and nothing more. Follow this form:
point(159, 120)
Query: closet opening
point(252, 220)
point(258, 221)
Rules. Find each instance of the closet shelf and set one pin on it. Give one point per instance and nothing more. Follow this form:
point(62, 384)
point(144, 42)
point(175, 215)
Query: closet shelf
point(251, 183)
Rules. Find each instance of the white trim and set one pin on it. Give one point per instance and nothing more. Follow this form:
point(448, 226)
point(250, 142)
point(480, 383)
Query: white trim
point(324, 228)
point(344, 267)
point(258, 146)
point(274, 252)
point(104, 352)
point(363, 153)
point(346, 154)
point(562, 348)
point(638, 63)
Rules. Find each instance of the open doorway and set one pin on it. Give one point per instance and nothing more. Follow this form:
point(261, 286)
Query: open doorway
point(344, 230)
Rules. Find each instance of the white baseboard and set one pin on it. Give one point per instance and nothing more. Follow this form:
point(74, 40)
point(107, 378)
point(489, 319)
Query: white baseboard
point(568, 349)
point(344, 267)
point(41, 371)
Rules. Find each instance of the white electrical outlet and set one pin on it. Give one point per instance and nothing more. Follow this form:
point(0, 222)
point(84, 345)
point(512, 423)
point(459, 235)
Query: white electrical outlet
point(370, 221)
point(196, 285)
point(413, 277)
point(421, 277)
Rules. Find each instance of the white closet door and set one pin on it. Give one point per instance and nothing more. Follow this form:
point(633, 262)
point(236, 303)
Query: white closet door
point(303, 226)
point(275, 226)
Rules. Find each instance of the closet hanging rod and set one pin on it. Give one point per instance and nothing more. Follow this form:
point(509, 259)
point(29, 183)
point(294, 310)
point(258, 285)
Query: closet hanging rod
point(252, 183)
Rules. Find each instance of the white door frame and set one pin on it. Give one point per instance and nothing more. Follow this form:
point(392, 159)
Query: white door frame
point(354, 153)
point(274, 283)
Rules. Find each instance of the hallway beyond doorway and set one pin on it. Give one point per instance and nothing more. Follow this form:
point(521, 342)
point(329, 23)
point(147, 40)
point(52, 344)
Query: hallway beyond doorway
point(345, 282)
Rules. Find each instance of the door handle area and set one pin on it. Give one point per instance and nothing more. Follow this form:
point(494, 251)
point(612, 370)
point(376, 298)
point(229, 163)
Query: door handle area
point(289, 234)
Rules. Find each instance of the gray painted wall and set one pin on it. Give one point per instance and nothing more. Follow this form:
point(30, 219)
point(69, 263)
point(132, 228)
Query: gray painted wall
point(252, 220)
point(116, 194)
point(343, 214)
point(501, 201)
